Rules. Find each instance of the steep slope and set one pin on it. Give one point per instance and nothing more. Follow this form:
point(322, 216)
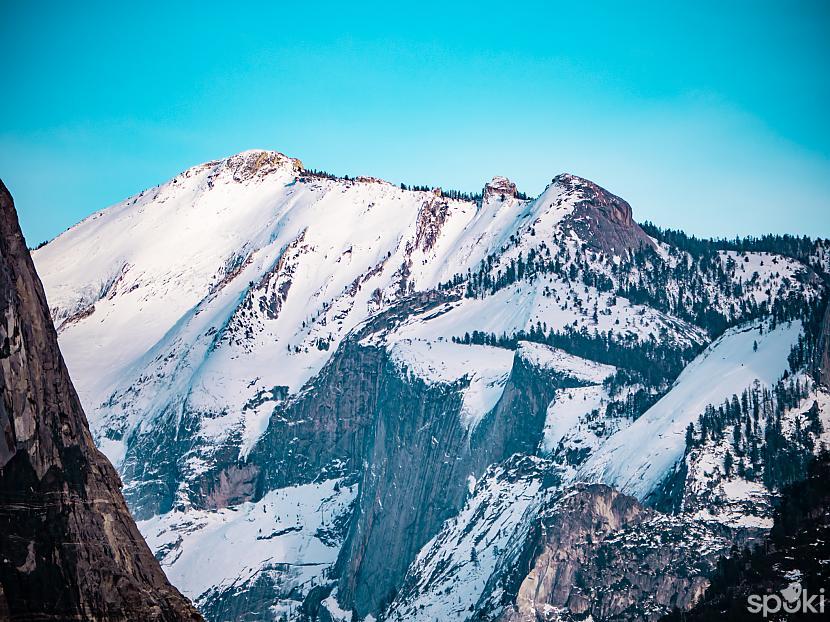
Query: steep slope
point(422, 454)
point(69, 548)
point(252, 561)
point(636, 459)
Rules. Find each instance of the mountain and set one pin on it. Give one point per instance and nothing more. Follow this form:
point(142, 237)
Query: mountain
point(338, 398)
point(69, 547)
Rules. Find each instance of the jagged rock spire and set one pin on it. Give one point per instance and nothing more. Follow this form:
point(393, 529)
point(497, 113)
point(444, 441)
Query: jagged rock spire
point(498, 187)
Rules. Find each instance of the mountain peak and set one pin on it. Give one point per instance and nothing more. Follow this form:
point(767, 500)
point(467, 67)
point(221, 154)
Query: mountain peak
point(499, 186)
point(569, 181)
point(258, 163)
point(599, 217)
point(248, 165)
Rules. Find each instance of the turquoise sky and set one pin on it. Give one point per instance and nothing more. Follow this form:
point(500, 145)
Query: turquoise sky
point(711, 117)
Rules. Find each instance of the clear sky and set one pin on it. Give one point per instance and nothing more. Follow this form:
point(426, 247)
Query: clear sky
point(711, 117)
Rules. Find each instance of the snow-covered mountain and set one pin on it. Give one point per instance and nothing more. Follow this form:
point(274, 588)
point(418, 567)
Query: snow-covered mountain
point(339, 397)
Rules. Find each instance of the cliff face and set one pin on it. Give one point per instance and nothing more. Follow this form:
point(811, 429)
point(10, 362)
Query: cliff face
point(602, 555)
point(69, 549)
point(603, 219)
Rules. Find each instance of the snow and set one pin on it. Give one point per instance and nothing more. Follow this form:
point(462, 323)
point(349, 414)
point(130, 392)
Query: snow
point(256, 421)
point(451, 571)
point(113, 449)
point(485, 368)
point(522, 306)
point(570, 408)
point(635, 459)
point(762, 271)
point(229, 277)
point(729, 500)
point(738, 490)
point(567, 410)
point(165, 245)
point(333, 608)
point(554, 359)
point(187, 270)
point(442, 361)
point(206, 552)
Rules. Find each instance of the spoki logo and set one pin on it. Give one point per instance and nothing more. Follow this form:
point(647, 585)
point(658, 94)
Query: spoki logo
point(793, 599)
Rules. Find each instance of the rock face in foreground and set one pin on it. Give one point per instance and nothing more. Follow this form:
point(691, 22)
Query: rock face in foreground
point(69, 549)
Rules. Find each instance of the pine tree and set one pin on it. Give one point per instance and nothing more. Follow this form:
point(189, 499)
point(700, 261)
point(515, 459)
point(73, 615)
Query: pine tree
point(727, 464)
point(690, 435)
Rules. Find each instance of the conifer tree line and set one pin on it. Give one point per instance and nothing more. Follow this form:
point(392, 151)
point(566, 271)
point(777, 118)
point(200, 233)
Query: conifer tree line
point(457, 195)
point(648, 362)
point(644, 278)
point(760, 448)
point(709, 290)
point(802, 248)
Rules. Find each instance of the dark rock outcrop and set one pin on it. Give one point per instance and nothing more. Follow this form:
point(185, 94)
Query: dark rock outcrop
point(602, 219)
point(431, 218)
point(792, 559)
point(500, 187)
point(69, 549)
point(257, 163)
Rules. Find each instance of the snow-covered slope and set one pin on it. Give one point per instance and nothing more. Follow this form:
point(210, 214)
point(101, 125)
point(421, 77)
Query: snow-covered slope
point(285, 542)
point(637, 458)
point(457, 569)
